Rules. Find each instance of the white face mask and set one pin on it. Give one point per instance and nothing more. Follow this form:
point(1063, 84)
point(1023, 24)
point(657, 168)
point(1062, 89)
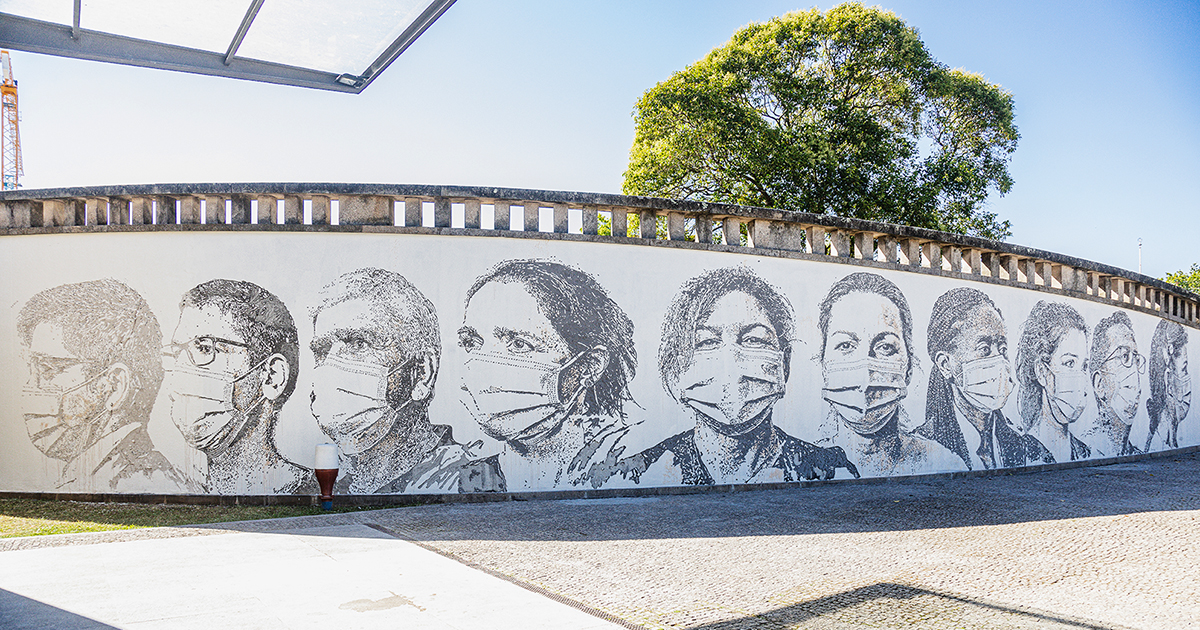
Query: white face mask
point(865, 393)
point(1069, 395)
point(1179, 394)
point(733, 389)
point(986, 383)
point(1125, 395)
point(60, 422)
point(510, 395)
point(349, 402)
point(202, 405)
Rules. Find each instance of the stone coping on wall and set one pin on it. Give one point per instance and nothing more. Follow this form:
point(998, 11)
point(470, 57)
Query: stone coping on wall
point(601, 493)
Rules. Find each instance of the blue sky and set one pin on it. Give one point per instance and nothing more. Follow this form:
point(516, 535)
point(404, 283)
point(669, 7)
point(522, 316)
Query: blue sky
point(540, 94)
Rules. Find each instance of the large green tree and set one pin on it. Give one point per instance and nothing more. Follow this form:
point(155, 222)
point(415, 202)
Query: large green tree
point(1186, 278)
point(843, 112)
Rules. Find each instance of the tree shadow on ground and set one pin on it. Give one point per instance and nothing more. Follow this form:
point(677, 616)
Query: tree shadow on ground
point(898, 606)
point(23, 613)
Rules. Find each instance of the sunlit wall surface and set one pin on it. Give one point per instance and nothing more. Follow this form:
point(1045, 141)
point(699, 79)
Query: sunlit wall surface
point(213, 362)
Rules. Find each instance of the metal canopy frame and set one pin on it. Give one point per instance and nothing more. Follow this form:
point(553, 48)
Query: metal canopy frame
point(49, 38)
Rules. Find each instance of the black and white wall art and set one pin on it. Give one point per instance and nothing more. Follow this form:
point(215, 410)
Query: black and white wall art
point(213, 363)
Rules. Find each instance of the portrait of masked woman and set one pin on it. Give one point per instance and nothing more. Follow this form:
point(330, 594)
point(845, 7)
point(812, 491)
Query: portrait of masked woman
point(1053, 377)
point(970, 383)
point(867, 363)
point(548, 361)
point(725, 355)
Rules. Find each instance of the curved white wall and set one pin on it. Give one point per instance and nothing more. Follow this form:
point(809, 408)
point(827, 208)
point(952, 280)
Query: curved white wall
point(550, 446)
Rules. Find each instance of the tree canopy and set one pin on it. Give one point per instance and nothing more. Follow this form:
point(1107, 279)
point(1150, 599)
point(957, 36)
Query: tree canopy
point(1188, 279)
point(843, 112)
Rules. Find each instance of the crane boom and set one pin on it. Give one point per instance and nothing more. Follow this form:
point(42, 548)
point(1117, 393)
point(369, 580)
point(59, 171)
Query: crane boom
point(11, 168)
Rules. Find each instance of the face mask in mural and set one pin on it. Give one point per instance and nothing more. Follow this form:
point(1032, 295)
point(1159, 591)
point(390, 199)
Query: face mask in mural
point(1127, 390)
point(202, 404)
point(350, 402)
point(60, 422)
point(986, 383)
point(519, 393)
point(1179, 394)
point(866, 392)
point(733, 389)
point(1069, 394)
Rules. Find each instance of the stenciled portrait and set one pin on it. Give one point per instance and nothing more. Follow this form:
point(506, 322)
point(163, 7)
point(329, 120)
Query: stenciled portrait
point(231, 364)
point(1170, 385)
point(1053, 378)
point(377, 349)
point(548, 361)
point(1116, 369)
point(971, 380)
point(867, 359)
point(91, 349)
point(725, 355)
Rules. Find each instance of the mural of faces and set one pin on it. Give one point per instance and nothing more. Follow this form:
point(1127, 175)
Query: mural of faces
point(976, 360)
point(1117, 367)
point(548, 360)
point(1170, 384)
point(1054, 378)
point(519, 377)
point(92, 378)
point(725, 354)
point(231, 363)
point(544, 376)
point(865, 351)
point(375, 345)
point(530, 362)
point(736, 373)
point(376, 350)
point(210, 376)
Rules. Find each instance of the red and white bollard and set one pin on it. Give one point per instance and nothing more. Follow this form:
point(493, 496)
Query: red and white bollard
point(327, 470)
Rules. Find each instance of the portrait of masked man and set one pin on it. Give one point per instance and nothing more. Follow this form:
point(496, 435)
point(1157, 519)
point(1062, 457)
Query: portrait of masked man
point(377, 348)
point(91, 350)
point(970, 383)
point(1170, 385)
point(1053, 379)
point(725, 355)
point(548, 361)
point(866, 356)
point(230, 367)
point(1116, 369)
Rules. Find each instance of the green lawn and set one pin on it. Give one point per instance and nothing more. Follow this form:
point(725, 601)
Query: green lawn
point(30, 517)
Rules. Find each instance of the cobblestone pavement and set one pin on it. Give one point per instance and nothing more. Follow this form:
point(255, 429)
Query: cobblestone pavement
point(1104, 547)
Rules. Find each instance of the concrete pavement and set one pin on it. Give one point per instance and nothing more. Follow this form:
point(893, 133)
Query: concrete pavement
point(1104, 547)
point(324, 576)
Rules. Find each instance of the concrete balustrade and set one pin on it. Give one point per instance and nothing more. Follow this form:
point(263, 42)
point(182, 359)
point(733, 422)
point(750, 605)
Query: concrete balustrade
point(186, 206)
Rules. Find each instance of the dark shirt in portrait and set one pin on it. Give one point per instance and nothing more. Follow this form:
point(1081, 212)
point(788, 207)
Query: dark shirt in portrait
point(797, 460)
point(1016, 449)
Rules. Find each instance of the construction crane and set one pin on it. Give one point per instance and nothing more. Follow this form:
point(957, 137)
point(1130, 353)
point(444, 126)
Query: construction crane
point(10, 157)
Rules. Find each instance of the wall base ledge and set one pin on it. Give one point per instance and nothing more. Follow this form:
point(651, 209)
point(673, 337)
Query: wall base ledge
point(401, 500)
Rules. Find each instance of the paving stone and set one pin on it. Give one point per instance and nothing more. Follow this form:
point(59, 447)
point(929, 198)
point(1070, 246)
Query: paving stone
point(1104, 547)
point(1100, 547)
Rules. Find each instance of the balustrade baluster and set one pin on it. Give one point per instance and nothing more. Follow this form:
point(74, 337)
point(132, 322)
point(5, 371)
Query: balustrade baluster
point(561, 218)
point(471, 214)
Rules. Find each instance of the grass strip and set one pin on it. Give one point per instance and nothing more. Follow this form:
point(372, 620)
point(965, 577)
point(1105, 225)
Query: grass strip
point(35, 517)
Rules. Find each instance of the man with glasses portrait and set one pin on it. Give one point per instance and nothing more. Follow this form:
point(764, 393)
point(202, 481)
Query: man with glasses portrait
point(91, 349)
point(230, 366)
point(1116, 368)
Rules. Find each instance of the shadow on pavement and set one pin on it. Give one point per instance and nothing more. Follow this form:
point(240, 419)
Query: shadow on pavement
point(22, 613)
point(1162, 484)
point(876, 606)
point(1166, 484)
